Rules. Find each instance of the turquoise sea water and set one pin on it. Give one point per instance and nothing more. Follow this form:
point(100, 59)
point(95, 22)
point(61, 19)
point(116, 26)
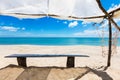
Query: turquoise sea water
point(53, 41)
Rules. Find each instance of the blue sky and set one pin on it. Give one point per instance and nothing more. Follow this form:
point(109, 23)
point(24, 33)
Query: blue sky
point(49, 27)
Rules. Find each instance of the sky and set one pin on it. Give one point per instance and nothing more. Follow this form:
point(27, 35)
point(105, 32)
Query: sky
point(52, 27)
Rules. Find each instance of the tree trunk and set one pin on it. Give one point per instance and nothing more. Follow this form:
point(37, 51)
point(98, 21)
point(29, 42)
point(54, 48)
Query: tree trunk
point(110, 44)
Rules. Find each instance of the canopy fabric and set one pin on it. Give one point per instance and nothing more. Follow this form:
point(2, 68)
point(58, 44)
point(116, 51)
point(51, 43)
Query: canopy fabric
point(63, 9)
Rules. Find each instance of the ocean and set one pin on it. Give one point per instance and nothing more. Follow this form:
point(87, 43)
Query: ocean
point(53, 41)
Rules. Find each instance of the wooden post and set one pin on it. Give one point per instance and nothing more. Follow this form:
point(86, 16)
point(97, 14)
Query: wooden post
point(70, 62)
point(110, 44)
point(21, 61)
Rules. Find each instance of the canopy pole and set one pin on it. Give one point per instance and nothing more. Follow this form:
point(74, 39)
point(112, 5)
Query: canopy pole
point(110, 44)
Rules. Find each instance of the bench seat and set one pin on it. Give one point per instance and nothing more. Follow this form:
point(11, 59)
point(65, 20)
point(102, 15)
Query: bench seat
point(45, 55)
point(21, 58)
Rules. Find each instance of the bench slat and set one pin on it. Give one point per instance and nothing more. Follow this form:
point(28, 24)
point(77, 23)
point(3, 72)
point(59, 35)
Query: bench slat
point(45, 55)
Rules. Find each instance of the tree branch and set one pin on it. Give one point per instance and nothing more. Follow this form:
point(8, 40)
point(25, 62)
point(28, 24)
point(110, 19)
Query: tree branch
point(108, 14)
point(101, 7)
point(112, 12)
point(114, 23)
point(93, 17)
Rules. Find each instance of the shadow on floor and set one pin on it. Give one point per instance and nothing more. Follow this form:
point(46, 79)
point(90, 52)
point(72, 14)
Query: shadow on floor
point(49, 73)
point(102, 74)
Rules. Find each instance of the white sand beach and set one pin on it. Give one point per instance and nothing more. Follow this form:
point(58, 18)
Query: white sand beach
point(95, 61)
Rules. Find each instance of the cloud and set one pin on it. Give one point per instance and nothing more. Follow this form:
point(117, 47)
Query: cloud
point(85, 23)
point(73, 24)
point(113, 7)
point(65, 22)
point(91, 33)
point(11, 28)
point(23, 28)
point(58, 21)
point(105, 24)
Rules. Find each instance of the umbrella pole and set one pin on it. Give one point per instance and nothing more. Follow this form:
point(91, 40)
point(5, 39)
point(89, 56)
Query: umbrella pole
point(110, 44)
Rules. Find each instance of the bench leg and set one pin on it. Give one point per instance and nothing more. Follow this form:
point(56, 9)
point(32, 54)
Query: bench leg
point(70, 62)
point(21, 61)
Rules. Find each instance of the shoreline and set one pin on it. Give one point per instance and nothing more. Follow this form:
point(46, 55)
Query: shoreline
point(55, 41)
point(48, 45)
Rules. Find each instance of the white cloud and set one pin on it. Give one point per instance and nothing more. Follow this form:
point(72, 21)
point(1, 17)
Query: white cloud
point(73, 24)
point(85, 22)
point(113, 7)
point(11, 28)
point(58, 21)
point(90, 33)
point(105, 24)
point(23, 28)
point(65, 22)
point(117, 20)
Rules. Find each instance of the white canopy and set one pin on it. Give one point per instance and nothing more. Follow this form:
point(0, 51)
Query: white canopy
point(64, 9)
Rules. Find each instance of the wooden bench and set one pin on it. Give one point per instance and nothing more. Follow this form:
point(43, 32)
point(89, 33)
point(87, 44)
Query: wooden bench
point(21, 58)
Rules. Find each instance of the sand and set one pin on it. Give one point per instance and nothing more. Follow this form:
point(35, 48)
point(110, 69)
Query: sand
point(95, 62)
